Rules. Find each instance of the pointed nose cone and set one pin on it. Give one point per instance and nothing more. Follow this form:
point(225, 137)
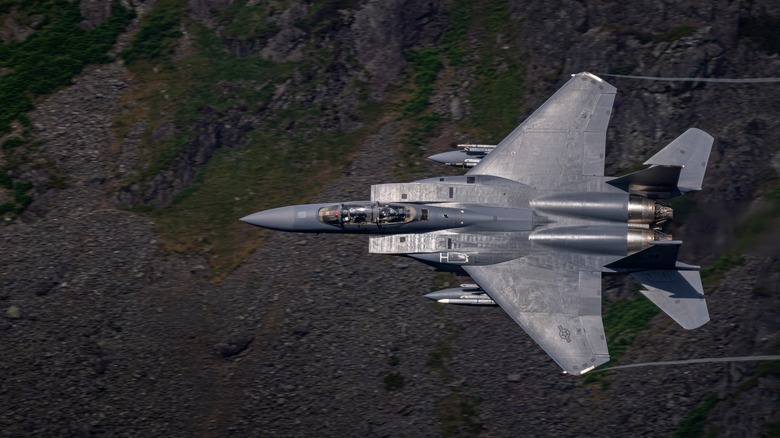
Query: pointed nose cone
point(281, 219)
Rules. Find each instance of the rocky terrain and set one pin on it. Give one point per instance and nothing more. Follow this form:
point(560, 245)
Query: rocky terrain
point(104, 332)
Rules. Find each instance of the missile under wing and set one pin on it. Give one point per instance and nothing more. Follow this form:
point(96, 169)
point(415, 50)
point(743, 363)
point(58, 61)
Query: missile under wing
point(536, 223)
point(555, 295)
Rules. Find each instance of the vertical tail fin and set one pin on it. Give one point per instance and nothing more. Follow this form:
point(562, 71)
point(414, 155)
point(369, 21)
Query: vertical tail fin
point(691, 151)
point(672, 286)
point(675, 170)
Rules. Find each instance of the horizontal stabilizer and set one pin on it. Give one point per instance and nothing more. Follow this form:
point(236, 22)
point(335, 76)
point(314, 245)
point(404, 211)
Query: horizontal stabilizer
point(675, 170)
point(678, 293)
point(661, 255)
point(653, 182)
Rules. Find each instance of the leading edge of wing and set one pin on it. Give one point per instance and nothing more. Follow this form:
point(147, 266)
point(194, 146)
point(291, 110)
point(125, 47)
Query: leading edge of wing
point(562, 141)
point(556, 304)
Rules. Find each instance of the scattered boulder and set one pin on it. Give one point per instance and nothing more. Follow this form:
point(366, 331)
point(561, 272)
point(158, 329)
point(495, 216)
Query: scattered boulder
point(234, 344)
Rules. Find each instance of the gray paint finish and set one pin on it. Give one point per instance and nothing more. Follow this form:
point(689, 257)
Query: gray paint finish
point(535, 223)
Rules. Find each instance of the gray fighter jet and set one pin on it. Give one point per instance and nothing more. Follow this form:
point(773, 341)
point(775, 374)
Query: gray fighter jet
point(536, 223)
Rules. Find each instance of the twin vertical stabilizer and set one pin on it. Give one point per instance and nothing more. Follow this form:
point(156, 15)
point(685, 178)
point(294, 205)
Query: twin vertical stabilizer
point(672, 286)
point(675, 170)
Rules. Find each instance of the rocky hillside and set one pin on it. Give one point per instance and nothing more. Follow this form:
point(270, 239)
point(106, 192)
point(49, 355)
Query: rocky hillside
point(133, 303)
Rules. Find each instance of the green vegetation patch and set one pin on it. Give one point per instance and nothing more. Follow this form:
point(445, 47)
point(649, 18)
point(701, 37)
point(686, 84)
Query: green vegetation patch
point(53, 54)
point(623, 320)
point(243, 22)
point(21, 194)
point(209, 78)
point(158, 34)
point(496, 100)
point(455, 42)
point(674, 34)
point(442, 280)
point(459, 415)
point(458, 412)
point(425, 66)
point(273, 169)
point(753, 227)
point(497, 95)
point(636, 167)
point(765, 368)
point(394, 380)
point(773, 193)
point(286, 158)
point(693, 424)
point(18, 153)
point(712, 274)
point(325, 14)
point(770, 430)
point(49, 58)
point(438, 358)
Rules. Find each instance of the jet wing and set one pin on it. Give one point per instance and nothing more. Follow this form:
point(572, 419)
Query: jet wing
point(560, 142)
point(556, 304)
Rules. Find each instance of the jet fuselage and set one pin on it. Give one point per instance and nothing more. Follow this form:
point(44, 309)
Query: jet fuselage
point(535, 223)
point(448, 237)
point(365, 217)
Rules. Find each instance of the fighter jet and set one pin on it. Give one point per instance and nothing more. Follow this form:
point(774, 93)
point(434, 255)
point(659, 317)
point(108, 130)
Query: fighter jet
point(535, 223)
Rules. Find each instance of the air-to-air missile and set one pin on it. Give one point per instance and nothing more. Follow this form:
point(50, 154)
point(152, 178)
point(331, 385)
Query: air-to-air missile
point(469, 156)
point(536, 223)
point(468, 294)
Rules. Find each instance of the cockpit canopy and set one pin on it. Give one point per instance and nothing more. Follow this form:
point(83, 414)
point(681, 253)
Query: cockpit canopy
point(366, 213)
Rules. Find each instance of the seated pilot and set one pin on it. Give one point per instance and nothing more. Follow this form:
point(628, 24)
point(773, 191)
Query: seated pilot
point(389, 214)
point(358, 215)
